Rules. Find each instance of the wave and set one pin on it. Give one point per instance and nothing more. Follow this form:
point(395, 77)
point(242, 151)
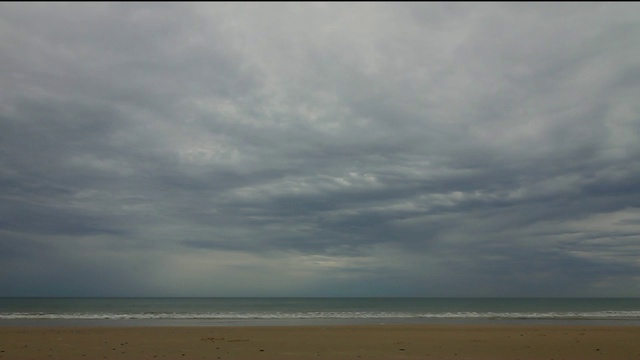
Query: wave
point(597, 315)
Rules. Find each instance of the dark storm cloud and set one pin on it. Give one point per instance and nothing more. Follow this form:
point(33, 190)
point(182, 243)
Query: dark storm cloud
point(411, 149)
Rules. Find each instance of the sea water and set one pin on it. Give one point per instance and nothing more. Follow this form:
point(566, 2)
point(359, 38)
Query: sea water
point(307, 311)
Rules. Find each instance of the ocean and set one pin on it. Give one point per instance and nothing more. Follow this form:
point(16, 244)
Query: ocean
point(312, 311)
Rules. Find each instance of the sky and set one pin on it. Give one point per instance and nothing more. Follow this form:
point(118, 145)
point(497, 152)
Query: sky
point(319, 149)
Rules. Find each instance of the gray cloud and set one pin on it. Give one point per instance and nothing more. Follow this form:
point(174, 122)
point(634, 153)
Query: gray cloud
point(319, 149)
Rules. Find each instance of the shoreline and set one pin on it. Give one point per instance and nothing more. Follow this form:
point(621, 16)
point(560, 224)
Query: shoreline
point(116, 323)
point(389, 341)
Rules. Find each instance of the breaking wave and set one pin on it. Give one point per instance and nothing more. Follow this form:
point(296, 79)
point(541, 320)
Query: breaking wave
point(598, 315)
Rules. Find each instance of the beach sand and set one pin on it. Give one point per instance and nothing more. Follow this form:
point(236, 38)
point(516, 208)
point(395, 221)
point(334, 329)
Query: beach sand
point(458, 342)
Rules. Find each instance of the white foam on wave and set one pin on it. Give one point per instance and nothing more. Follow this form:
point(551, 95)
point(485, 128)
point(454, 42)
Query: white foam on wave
point(606, 315)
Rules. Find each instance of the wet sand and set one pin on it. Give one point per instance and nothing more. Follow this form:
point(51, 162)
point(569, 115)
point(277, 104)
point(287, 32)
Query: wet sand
point(493, 342)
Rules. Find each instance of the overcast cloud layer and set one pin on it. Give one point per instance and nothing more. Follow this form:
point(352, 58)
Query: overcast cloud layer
point(416, 149)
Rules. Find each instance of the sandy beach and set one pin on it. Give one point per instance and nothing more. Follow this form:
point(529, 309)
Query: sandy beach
point(327, 342)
